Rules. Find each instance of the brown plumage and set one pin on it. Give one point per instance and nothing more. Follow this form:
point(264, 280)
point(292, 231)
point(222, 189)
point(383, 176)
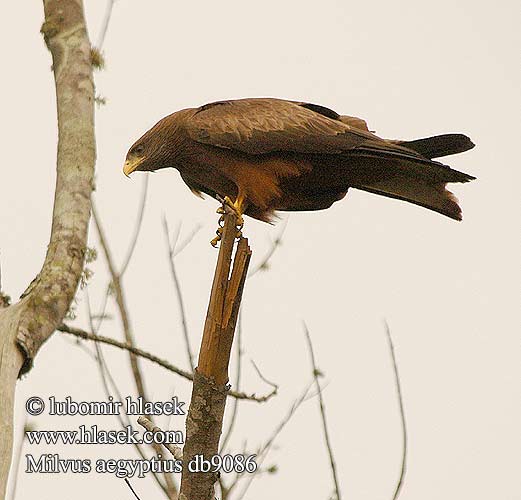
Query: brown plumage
point(273, 154)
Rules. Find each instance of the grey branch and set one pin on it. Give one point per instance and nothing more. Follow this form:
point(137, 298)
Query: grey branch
point(266, 447)
point(122, 307)
point(106, 22)
point(179, 293)
point(316, 374)
point(276, 243)
point(155, 359)
point(176, 452)
point(137, 226)
point(403, 467)
point(27, 324)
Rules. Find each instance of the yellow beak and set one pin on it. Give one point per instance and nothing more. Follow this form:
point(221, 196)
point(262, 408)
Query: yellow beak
point(131, 164)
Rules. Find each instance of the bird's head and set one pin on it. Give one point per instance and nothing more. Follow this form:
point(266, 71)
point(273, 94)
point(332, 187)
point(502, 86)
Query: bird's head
point(154, 150)
point(137, 158)
point(143, 155)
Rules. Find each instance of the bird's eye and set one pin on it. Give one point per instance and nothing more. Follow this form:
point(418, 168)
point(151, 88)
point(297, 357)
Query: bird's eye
point(139, 150)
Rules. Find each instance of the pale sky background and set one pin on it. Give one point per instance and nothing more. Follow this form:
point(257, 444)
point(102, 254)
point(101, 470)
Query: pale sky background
point(448, 290)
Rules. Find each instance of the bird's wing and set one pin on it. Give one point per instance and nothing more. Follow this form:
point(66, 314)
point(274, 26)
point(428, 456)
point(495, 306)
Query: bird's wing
point(257, 126)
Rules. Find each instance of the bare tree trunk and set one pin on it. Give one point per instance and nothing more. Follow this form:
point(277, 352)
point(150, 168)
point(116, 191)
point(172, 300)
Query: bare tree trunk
point(205, 416)
point(26, 325)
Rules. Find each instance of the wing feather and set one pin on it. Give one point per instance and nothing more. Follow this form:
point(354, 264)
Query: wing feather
point(258, 126)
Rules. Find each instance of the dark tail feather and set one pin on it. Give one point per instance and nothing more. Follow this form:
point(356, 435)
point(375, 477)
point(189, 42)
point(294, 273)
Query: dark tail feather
point(439, 145)
point(426, 194)
point(416, 180)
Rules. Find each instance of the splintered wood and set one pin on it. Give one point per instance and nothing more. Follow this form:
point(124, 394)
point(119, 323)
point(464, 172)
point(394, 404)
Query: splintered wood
point(205, 416)
point(223, 308)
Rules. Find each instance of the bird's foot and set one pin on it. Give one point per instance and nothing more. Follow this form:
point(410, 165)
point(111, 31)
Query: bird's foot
point(236, 207)
point(228, 204)
point(216, 240)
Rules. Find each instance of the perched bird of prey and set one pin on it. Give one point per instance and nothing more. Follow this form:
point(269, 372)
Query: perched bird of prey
point(271, 154)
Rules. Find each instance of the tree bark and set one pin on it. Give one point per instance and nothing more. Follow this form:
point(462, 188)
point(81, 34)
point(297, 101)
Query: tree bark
point(27, 324)
point(210, 387)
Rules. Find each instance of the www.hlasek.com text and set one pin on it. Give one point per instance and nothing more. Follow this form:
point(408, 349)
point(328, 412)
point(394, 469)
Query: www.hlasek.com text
point(95, 435)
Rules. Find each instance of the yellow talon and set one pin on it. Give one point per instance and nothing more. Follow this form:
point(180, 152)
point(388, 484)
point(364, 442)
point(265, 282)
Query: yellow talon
point(238, 208)
point(216, 240)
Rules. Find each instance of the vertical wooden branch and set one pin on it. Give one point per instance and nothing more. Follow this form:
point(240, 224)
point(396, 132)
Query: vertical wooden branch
point(205, 415)
point(27, 324)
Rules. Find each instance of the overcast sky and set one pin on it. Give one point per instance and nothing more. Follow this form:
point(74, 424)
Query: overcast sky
point(448, 290)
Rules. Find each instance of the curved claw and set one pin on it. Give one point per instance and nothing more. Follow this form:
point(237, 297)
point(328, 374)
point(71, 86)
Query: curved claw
point(216, 240)
point(237, 208)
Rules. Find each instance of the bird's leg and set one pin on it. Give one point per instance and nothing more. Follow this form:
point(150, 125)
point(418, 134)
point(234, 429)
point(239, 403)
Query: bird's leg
point(238, 207)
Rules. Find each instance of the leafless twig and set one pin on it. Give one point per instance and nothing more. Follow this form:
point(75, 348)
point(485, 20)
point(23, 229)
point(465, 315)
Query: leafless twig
point(316, 374)
point(263, 264)
point(105, 374)
point(137, 226)
point(264, 449)
point(176, 452)
point(177, 285)
point(106, 22)
point(120, 301)
point(107, 378)
point(131, 489)
point(179, 247)
point(151, 357)
point(263, 378)
point(171, 487)
point(403, 468)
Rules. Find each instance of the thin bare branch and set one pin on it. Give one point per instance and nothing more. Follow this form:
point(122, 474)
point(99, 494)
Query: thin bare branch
point(263, 378)
point(151, 357)
point(263, 264)
point(316, 374)
point(225, 489)
point(179, 293)
point(131, 489)
point(403, 467)
point(120, 301)
point(106, 22)
point(179, 247)
point(103, 368)
point(107, 378)
point(137, 227)
point(176, 452)
point(171, 487)
point(266, 447)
